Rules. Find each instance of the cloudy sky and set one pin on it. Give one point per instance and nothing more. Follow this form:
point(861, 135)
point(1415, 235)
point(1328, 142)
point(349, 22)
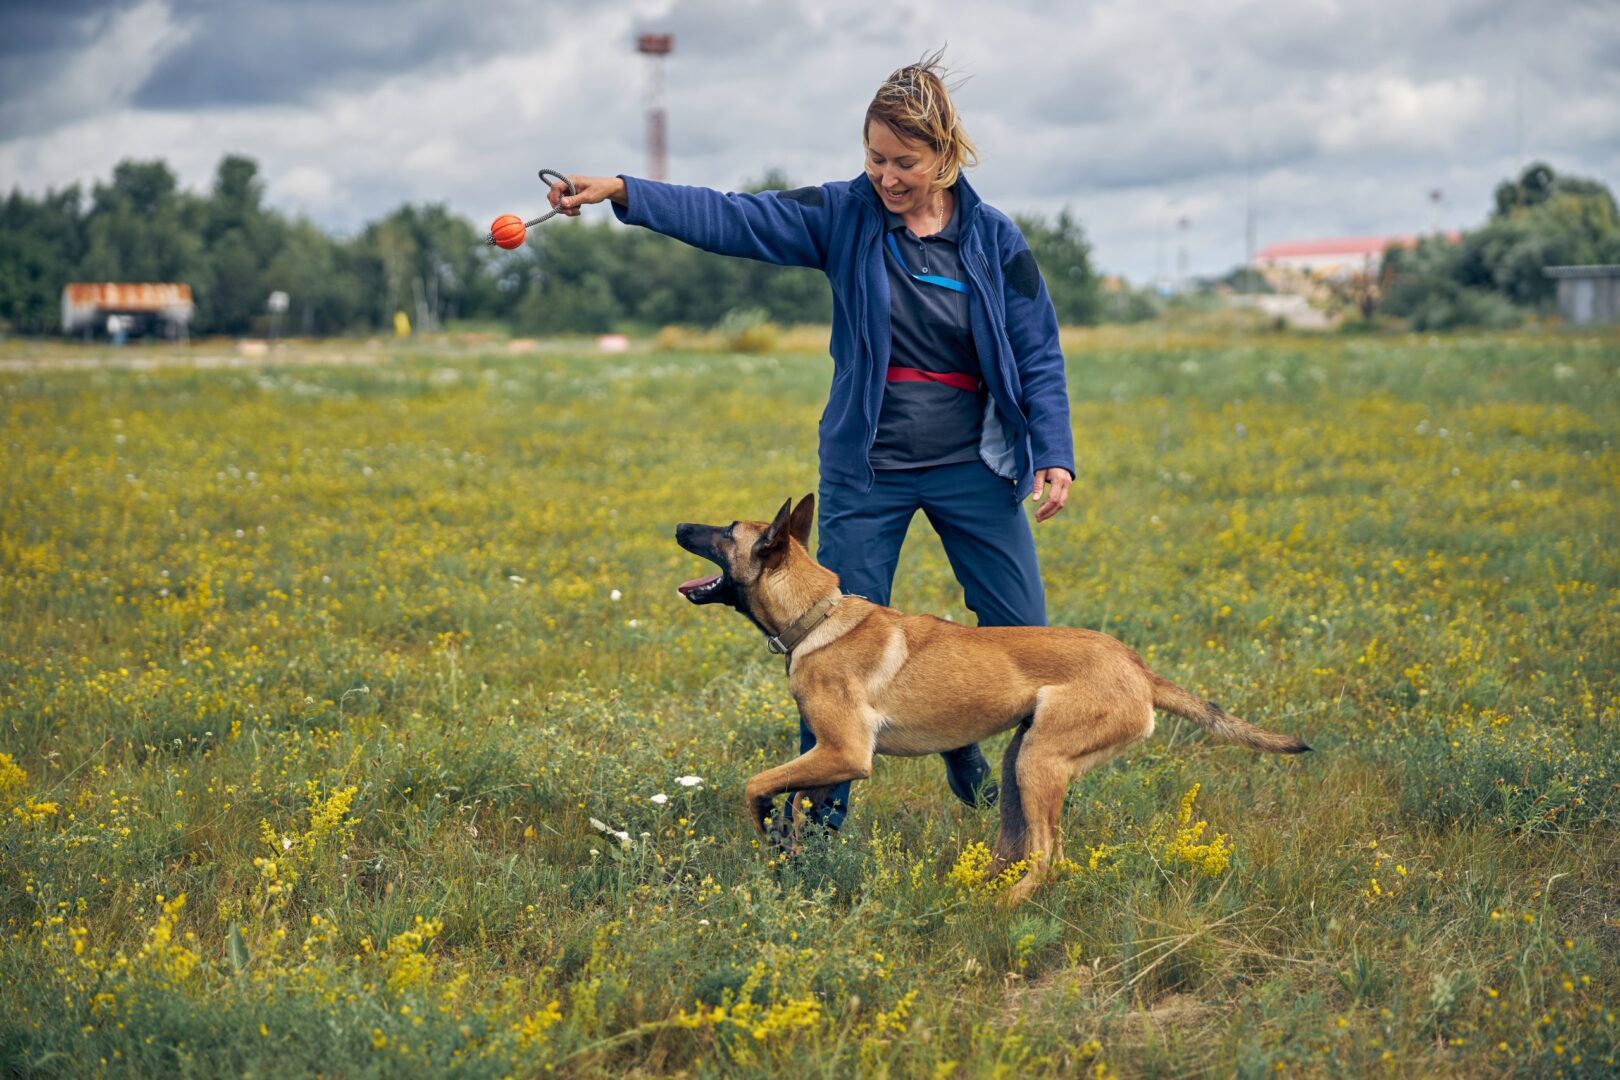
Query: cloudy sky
point(1336, 117)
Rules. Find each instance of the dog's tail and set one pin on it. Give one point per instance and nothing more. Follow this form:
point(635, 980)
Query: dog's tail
point(1221, 724)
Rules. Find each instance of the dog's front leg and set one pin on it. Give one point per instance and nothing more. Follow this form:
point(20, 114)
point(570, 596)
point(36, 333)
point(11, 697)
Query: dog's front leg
point(823, 765)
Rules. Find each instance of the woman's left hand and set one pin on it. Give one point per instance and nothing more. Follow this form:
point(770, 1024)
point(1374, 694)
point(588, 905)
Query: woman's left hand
point(1061, 481)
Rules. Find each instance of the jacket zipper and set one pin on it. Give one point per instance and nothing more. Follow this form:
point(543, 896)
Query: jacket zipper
point(871, 351)
point(992, 317)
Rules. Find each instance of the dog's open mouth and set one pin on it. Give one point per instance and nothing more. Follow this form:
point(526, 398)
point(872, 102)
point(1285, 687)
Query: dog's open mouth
point(717, 589)
point(700, 588)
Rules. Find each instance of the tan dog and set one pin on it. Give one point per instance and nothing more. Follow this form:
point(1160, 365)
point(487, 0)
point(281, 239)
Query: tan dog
point(869, 679)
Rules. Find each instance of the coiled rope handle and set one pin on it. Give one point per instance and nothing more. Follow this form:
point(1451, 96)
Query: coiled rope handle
point(555, 175)
point(527, 225)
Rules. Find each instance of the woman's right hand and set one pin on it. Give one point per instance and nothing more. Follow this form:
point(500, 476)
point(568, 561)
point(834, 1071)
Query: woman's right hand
point(587, 190)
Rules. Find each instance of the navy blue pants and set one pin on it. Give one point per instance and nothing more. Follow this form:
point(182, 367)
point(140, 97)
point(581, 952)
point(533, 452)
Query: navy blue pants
point(985, 533)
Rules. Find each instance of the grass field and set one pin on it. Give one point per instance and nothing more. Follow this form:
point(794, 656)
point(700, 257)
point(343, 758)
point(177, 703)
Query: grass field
point(342, 711)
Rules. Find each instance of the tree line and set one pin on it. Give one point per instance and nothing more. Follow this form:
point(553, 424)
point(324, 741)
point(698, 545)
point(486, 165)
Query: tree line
point(578, 276)
point(572, 275)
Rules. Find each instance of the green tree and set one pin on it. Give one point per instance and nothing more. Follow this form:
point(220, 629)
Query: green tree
point(1539, 183)
point(237, 198)
point(312, 270)
point(234, 293)
point(1495, 274)
point(425, 261)
point(1561, 221)
point(1426, 286)
point(241, 239)
point(41, 245)
point(138, 228)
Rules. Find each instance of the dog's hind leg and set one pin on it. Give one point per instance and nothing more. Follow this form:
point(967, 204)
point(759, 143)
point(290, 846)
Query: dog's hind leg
point(1010, 840)
point(1068, 737)
point(1043, 774)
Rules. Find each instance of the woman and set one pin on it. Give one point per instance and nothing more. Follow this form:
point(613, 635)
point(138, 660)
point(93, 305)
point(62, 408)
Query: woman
point(948, 391)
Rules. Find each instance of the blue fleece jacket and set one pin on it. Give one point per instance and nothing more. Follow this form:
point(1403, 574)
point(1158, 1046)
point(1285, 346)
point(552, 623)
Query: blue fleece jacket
point(838, 228)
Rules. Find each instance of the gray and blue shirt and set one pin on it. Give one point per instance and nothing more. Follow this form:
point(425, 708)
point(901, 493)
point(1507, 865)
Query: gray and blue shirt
point(926, 423)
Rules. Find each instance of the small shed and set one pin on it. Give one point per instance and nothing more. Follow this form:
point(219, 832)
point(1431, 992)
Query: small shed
point(1587, 294)
point(161, 307)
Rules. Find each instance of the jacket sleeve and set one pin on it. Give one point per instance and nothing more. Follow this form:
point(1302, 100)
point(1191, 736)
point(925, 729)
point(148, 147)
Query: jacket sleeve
point(1032, 328)
point(789, 228)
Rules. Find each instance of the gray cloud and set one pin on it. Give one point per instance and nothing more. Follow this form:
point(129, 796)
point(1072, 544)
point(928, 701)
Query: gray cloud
point(32, 28)
point(1340, 116)
point(252, 53)
point(34, 40)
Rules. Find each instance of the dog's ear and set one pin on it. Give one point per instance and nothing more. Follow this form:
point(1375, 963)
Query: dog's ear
point(775, 537)
point(803, 516)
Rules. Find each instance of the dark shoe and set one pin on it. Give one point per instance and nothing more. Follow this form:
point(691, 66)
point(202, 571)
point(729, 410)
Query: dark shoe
point(968, 774)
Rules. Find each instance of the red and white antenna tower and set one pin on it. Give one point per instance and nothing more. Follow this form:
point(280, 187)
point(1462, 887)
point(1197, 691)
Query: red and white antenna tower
point(655, 47)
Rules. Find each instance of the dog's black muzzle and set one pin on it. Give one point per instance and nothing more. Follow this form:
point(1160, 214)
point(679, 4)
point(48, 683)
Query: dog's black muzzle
point(701, 540)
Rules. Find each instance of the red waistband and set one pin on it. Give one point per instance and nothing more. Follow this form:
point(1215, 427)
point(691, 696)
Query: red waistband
point(955, 379)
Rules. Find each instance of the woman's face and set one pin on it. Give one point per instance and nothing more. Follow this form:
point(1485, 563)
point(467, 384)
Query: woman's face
point(902, 171)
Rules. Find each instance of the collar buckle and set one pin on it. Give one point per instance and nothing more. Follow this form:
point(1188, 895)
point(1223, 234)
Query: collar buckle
point(802, 626)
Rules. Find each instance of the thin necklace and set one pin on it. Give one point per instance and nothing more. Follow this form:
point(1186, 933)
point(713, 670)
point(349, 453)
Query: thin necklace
point(939, 217)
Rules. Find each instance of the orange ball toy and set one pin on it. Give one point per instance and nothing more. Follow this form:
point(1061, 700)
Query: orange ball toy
point(508, 231)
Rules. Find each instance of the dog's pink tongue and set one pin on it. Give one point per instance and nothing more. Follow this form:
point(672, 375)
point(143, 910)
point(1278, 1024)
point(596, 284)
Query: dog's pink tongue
point(696, 583)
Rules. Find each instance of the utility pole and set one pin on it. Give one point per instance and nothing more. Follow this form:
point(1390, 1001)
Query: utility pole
point(655, 47)
point(1518, 136)
point(1182, 225)
point(1518, 121)
point(1248, 203)
point(1248, 237)
point(1161, 278)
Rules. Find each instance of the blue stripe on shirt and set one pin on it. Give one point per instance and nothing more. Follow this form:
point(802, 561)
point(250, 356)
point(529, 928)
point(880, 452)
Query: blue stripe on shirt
point(932, 279)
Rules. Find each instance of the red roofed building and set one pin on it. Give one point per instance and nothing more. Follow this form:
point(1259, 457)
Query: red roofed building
point(1335, 258)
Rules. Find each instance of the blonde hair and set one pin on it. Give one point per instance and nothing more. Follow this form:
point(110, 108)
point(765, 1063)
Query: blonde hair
point(915, 104)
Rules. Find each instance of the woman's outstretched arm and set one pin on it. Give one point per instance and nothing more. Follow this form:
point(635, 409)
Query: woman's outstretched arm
point(790, 228)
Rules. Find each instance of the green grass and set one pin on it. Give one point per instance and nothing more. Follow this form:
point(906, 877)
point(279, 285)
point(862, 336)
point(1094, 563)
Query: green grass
point(332, 653)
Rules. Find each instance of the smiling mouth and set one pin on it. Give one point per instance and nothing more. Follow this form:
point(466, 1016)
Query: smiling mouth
point(698, 588)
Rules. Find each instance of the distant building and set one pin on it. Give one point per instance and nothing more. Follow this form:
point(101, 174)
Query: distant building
point(1587, 294)
point(1338, 258)
point(163, 309)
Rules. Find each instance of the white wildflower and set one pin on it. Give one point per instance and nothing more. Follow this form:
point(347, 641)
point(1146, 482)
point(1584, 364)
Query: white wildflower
point(689, 781)
point(659, 798)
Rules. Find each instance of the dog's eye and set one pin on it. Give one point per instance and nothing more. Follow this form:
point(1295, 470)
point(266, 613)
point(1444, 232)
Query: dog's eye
point(727, 533)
